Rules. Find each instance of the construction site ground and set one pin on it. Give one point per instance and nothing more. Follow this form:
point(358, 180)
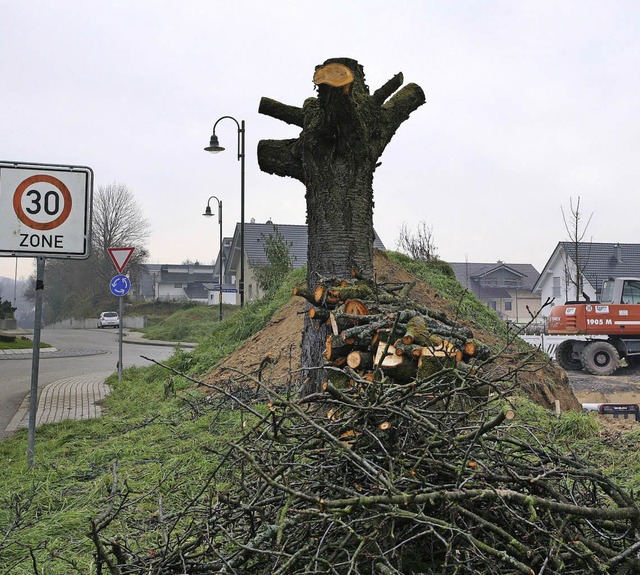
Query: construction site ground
point(621, 387)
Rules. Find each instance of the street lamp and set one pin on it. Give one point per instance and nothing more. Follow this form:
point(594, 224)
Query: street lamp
point(214, 147)
point(208, 214)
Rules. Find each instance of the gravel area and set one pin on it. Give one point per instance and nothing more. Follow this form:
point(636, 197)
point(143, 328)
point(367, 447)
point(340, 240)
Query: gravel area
point(621, 387)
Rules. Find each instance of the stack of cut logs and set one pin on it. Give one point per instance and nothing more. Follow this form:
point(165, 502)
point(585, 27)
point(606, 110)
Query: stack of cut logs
point(377, 327)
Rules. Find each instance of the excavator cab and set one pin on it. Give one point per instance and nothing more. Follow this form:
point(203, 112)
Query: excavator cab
point(631, 292)
point(621, 291)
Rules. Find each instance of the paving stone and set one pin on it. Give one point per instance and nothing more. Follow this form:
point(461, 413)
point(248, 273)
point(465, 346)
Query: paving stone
point(71, 398)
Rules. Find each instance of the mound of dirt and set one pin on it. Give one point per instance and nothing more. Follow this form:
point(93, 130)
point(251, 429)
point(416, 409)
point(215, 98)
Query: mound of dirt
point(273, 353)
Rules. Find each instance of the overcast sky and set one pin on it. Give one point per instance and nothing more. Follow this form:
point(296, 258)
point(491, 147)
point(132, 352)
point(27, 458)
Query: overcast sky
point(529, 103)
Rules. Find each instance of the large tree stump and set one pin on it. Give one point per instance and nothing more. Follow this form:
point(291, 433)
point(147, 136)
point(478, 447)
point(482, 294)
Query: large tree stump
point(345, 129)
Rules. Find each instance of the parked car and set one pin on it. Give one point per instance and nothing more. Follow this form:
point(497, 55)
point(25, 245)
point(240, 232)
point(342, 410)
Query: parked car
point(108, 319)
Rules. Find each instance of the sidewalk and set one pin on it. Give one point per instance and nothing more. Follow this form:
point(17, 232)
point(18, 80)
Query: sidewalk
point(71, 398)
point(74, 397)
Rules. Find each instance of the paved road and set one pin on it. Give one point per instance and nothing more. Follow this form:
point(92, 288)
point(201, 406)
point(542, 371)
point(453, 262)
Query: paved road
point(82, 352)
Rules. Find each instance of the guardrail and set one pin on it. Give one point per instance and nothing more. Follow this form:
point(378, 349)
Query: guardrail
point(547, 343)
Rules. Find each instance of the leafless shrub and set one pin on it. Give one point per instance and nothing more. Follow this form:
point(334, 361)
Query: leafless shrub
point(419, 245)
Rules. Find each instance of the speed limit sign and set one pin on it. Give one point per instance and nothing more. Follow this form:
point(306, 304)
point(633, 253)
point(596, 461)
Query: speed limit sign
point(45, 210)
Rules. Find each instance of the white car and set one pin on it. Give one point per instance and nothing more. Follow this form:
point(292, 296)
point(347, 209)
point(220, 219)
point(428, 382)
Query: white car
point(108, 319)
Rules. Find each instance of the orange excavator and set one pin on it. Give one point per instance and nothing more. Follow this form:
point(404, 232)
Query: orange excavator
point(610, 328)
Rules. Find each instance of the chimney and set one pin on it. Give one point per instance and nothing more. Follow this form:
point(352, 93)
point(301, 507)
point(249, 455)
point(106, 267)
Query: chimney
point(618, 253)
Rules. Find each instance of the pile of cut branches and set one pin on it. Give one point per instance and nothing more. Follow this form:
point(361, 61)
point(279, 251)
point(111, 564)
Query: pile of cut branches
point(376, 327)
point(380, 477)
point(426, 469)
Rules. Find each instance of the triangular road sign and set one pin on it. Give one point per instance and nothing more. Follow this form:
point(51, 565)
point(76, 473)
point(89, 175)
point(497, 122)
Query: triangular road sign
point(120, 257)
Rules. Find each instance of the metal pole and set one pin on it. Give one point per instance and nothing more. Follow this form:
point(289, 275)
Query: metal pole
point(120, 312)
point(242, 133)
point(35, 363)
point(220, 258)
point(15, 285)
point(214, 147)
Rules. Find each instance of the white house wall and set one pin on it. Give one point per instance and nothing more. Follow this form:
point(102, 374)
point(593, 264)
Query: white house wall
point(549, 286)
point(227, 297)
point(169, 292)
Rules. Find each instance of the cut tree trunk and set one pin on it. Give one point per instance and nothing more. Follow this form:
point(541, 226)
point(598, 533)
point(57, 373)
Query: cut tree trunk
point(344, 132)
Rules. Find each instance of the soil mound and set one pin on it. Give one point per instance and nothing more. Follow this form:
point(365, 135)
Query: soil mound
point(273, 354)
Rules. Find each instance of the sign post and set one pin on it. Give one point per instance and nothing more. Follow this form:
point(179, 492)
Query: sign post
point(120, 286)
point(46, 213)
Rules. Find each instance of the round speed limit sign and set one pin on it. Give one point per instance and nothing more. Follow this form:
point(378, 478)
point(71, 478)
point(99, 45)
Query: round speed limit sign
point(45, 210)
point(42, 202)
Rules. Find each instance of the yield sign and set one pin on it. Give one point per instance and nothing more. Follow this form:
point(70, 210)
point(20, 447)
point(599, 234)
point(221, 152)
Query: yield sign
point(120, 257)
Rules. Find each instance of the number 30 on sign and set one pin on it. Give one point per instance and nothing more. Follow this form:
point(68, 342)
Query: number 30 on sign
point(46, 210)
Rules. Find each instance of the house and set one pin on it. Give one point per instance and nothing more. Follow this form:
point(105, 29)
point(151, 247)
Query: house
point(183, 282)
point(596, 261)
point(505, 288)
point(254, 254)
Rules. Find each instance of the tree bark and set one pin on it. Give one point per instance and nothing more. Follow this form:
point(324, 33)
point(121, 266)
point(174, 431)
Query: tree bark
point(345, 130)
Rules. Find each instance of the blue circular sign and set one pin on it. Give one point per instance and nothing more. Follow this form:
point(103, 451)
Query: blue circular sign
point(120, 285)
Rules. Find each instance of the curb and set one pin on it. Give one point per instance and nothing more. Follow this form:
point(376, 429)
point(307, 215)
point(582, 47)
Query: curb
point(138, 340)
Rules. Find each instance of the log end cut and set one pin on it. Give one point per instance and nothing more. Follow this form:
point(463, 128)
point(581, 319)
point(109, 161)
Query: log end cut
point(335, 75)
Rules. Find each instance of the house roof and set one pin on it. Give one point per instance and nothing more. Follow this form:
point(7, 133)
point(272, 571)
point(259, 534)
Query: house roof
point(187, 273)
point(196, 290)
point(600, 261)
point(254, 238)
point(467, 272)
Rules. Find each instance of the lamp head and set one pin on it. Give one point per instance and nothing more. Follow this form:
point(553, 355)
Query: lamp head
point(214, 146)
point(207, 212)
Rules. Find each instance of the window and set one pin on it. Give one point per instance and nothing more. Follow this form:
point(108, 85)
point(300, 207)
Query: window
point(507, 305)
point(492, 305)
point(631, 292)
point(556, 287)
point(501, 282)
point(177, 285)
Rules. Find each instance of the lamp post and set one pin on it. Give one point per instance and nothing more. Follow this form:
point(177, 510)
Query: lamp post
point(214, 147)
point(208, 214)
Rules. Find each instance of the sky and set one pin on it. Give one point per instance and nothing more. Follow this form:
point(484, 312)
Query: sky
point(529, 104)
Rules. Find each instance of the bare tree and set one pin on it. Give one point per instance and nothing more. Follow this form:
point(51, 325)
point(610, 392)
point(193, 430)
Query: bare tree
point(81, 287)
point(576, 230)
point(117, 222)
point(419, 245)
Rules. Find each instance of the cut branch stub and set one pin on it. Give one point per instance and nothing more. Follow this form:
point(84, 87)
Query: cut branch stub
point(416, 331)
point(360, 360)
point(355, 307)
point(336, 347)
point(336, 75)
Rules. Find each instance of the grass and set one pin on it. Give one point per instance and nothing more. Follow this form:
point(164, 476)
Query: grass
point(20, 343)
point(191, 324)
point(155, 448)
point(153, 443)
point(439, 275)
point(148, 442)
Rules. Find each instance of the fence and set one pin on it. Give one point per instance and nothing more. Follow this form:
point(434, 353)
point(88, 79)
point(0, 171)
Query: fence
point(548, 343)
